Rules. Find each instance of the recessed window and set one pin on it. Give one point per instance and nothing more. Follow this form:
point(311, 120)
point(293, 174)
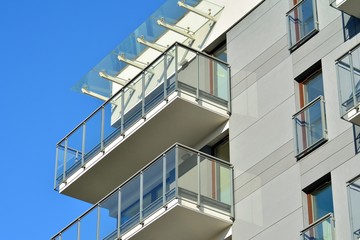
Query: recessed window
point(320, 211)
point(302, 22)
point(310, 122)
point(320, 202)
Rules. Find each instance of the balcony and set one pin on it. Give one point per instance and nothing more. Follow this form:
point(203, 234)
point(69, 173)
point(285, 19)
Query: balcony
point(182, 96)
point(310, 127)
point(180, 189)
point(302, 23)
point(348, 71)
point(322, 229)
point(354, 199)
point(351, 7)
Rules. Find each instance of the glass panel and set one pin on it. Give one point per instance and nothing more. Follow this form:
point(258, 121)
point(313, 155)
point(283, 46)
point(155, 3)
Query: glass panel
point(112, 128)
point(322, 202)
point(170, 70)
point(74, 151)
point(92, 82)
point(109, 217)
point(88, 225)
point(150, 31)
point(301, 21)
point(314, 88)
point(309, 127)
point(221, 81)
point(154, 85)
point(345, 84)
point(170, 175)
point(187, 71)
point(356, 69)
point(215, 184)
point(93, 136)
point(320, 231)
point(213, 79)
point(153, 188)
point(208, 177)
point(60, 151)
point(132, 103)
point(224, 183)
point(188, 174)
point(70, 233)
point(130, 204)
point(354, 199)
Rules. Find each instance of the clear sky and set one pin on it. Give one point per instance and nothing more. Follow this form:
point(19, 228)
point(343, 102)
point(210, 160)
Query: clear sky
point(46, 46)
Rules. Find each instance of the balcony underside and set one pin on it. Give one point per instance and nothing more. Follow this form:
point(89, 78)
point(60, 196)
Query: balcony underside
point(351, 7)
point(177, 121)
point(183, 222)
point(353, 116)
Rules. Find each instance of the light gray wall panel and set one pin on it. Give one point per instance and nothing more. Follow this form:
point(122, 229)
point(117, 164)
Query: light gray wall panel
point(255, 39)
point(259, 67)
point(285, 229)
point(327, 157)
point(264, 165)
point(262, 138)
point(261, 98)
point(264, 177)
point(268, 205)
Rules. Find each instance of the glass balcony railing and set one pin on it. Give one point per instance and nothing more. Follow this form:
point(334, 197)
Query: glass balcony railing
point(322, 229)
point(302, 22)
point(180, 71)
point(310, 127)
point(348, 71)
point(179, 173)
point(354, 199)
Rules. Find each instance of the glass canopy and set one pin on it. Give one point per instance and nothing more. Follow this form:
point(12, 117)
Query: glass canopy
point(100, 81)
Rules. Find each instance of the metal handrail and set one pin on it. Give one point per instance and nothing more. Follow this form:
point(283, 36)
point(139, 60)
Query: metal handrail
point(295, 6)
point(321, 98)
point(317, 222)
point(131, 81)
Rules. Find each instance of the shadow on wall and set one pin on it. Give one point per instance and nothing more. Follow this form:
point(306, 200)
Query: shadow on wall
point(351, 26)
point(356, 138)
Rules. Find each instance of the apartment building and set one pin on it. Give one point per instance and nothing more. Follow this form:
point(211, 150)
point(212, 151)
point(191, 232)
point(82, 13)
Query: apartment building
point(222, 119)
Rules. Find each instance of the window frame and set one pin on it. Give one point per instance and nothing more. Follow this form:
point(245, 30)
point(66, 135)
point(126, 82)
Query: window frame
point(299, 40)
point(303, 134)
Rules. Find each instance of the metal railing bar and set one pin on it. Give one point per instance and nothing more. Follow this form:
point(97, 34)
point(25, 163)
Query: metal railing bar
point(317, 222)
point(319, 98)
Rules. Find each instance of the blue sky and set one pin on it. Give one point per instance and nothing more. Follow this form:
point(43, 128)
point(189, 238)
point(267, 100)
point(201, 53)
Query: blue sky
point(46, 46)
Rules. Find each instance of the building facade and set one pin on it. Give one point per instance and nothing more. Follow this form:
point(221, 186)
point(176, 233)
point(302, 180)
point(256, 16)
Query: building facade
point(222, 119)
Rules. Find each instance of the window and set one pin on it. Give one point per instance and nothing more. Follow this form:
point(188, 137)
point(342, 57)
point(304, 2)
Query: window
point(310, 122)
point(220, 180)
point(218, 84)
point(320, 202)
point(302, 22)
point(320, 210)
point(354, 200)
